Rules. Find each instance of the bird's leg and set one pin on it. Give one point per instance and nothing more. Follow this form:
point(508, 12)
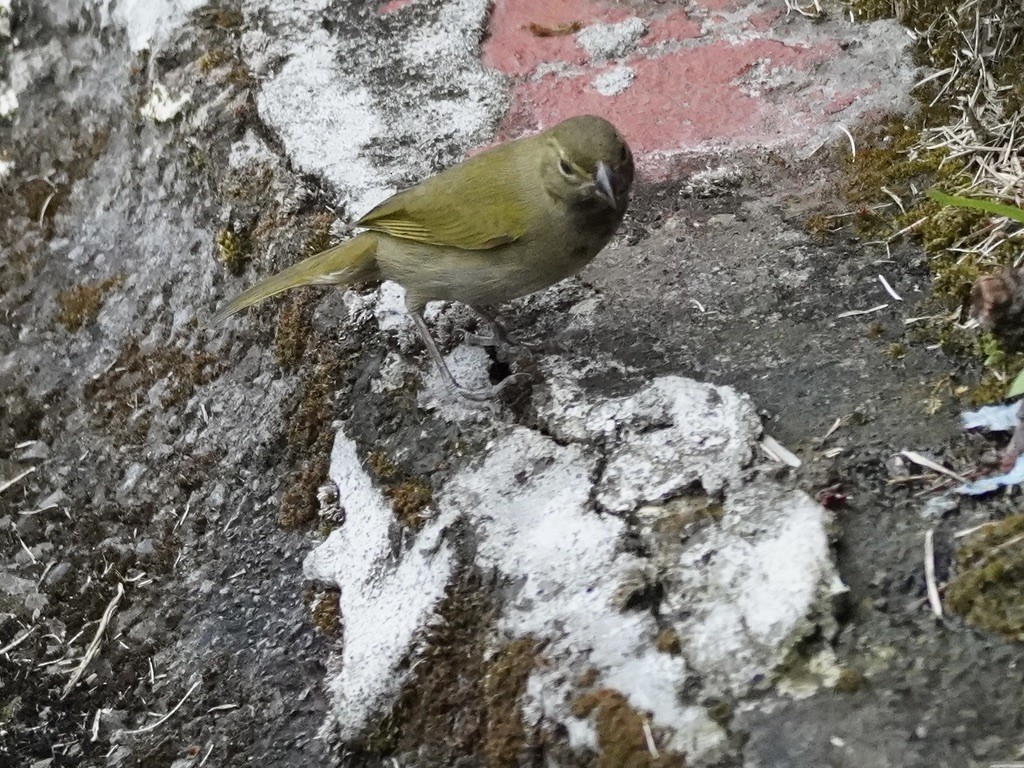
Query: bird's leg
point(499, 334)
point(446, 374)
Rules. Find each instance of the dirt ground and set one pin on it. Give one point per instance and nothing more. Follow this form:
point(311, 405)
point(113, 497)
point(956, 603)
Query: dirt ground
point(185, 463)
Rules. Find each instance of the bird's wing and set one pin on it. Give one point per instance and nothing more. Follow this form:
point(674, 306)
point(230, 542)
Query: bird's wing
point(475, 205)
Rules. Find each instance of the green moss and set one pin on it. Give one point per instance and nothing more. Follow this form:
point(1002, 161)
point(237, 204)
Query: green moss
point(954, 274)
point(442, 712)
point(212, 59)
point(1000, 368)
point(819, 225)
point(318, 233)
point(943, 227)
point(241, 76)
point(850, 681)
point(309, 439)
point(668, 642)
point(251, 183)
point(309, 422)
point(872, 10)
point(505, 735)
point(325, 611)
point(221, 16)
point(892, 160)
point(382, 466)
point(232, 250)
point(721, 712)
point(896, 351)
point(199, 160)
point(621, 735)
point(117, 393)
point(79, 306)
point(300, 503)
point(408, 500)
point(988, 590)
point(409, 494)
point(889, 156)
point(293, 328)
point(10, 710)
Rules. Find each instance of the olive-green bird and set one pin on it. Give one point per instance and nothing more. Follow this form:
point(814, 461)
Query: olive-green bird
point(504, 223)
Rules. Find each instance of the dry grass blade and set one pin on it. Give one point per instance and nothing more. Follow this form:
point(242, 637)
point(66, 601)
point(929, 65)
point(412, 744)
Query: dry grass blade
point(94, 646)
point(889, 289)
point(17, 641)
point(16, 479)
point(812, 10)
point(929, 573)
point(166, 717)
point(924, 461)
point(858, 312)
point(780, 453)
point(652, 748)
point(984, 134)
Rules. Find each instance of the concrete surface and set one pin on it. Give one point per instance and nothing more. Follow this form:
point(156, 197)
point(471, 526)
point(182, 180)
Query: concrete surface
point(610, 569)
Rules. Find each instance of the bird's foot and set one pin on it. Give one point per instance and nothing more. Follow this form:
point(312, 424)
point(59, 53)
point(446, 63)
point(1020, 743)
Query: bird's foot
point(483, 395)
point(477, 395)
point(480, 340)
point(498, 341)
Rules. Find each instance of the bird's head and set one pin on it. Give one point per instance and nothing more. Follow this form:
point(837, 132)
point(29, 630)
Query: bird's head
point(588, 164)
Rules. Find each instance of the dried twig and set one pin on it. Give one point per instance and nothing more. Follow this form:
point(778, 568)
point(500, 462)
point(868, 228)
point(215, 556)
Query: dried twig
point(166, 717)
point(554, 30)
point(856, 312)
point(832, 430)
point(652, 748)
point(929, 573)
point(17, 641)
point(94, 646)
point(780, 453)
point(17, 478)
point(853, 144)
point(889, 289)
point(974, 529)
point(934, 466)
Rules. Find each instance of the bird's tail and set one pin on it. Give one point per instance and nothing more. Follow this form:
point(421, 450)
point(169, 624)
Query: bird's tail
point(354, 261)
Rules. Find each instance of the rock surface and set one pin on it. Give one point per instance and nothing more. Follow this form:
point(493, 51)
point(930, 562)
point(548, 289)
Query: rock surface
point(325, 559)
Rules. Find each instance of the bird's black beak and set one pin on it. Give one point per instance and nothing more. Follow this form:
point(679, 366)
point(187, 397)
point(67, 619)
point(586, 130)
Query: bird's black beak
point(604, 184)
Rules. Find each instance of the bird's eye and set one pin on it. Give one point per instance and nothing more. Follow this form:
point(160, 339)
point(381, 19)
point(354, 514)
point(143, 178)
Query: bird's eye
point(564, 167)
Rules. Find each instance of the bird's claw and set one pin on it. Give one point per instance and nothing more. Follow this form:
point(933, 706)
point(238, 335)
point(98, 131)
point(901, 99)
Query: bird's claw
point(483, 395)
point(479, 340)
point(496, 341)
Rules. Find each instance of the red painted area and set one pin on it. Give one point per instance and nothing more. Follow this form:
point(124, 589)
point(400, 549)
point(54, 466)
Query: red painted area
point(721, 5)
point(843, 100)
point(680, 100)
point(513, 48)
point(699, 84)
point(762, 22)
point(393, 5)
point(839, 103)
point(676, 26)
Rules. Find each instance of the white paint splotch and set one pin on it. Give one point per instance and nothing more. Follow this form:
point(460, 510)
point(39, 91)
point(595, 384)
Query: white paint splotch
point(388, 591)
point(148, 23)
point(543, 512)
point(375, 112)
point(530, 502)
